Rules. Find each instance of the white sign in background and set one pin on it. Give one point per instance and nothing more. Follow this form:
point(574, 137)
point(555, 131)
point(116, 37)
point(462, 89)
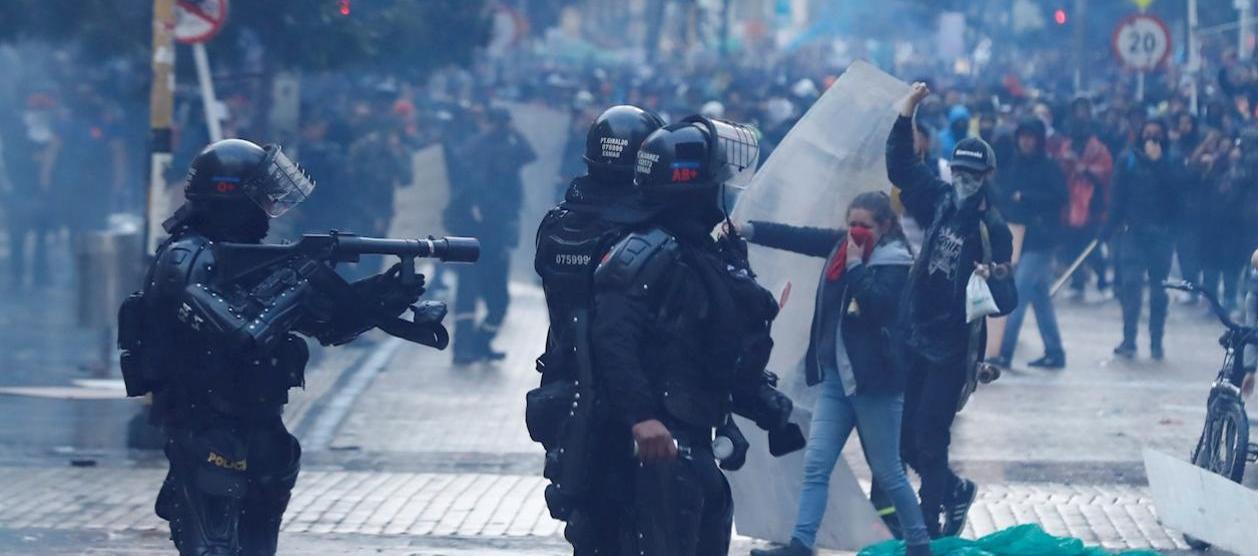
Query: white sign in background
point(197, 21)
point(1142, 42)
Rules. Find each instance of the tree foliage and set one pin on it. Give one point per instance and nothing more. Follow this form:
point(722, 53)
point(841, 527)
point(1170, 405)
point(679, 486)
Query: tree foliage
point(310, 35)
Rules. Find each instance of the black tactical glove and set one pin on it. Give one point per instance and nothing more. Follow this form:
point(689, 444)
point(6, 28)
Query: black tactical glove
point(387, 294)
point(786, 439)
point(429, 311)
point(768, 407)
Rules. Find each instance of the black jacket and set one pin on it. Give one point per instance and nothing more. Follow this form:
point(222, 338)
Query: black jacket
point(867, 324)
point(933, 326)
point(571, 240)
point(670, 331)
point(1147, 194)
point(1033, 192)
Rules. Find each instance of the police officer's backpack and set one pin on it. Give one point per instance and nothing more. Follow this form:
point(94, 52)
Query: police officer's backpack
point(144, 345)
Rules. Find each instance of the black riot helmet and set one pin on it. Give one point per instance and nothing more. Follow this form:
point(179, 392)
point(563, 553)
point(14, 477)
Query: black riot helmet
point(236, 170)
point(695, 155)
point(611, 145)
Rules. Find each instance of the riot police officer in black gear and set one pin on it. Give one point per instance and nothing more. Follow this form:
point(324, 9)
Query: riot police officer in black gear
point(680, 337)
point(219, 356)
point(574, 235)
point(571, 240)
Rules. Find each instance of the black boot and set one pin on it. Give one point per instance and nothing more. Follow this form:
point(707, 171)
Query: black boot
point(485, 338)
point(1155, 351)
point(796, 548)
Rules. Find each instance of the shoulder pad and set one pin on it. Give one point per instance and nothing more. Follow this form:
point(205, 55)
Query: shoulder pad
point(550, 219)
point(182, 261)
point(553, 217)
point(638, 259)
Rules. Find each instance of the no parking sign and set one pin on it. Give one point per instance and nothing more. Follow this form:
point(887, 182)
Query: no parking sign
point(197, 21)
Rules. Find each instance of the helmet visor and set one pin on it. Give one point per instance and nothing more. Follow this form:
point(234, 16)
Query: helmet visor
point(279, 184)
point(737, 149)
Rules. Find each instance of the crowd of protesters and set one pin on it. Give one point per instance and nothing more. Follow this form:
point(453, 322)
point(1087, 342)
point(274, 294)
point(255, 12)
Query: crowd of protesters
point(1073, 162)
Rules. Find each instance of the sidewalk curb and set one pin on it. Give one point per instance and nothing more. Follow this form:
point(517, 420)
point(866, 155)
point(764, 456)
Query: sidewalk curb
point(317, 431)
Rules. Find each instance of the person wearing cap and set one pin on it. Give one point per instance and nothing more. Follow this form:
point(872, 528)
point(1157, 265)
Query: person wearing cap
point(939, 348)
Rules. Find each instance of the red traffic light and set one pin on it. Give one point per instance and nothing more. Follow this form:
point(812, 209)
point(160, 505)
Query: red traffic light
point(343, 6)
point(1059, 16)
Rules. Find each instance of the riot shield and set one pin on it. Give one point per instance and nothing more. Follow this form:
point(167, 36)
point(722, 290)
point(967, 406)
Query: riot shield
point(835, 152)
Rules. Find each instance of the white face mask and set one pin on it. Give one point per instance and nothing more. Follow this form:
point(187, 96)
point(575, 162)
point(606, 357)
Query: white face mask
point(966, 184)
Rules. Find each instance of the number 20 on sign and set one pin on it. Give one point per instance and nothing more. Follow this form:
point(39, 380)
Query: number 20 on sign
point(1141, 42)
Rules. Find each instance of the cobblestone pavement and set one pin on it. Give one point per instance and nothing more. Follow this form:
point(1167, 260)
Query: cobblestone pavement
point(428, 458)
point(490, 506)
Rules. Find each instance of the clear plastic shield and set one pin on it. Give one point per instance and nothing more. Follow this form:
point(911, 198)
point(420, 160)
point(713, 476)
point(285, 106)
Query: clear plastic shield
point(739, 150)
point(279, 185)
point(834, 153)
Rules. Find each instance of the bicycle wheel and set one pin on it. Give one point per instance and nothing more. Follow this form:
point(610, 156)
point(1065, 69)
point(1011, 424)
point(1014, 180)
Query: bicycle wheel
point(1224, 444)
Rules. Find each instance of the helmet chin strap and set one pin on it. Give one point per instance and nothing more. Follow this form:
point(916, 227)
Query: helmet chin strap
point(729, 224)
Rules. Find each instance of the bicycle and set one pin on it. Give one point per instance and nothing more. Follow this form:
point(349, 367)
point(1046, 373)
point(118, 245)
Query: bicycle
point(1224, 447)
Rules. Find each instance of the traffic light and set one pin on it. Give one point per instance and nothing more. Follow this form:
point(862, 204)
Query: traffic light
point(343, 6)
point(1059, 16)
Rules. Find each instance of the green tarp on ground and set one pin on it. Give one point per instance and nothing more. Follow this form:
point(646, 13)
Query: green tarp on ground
point(1023, 540)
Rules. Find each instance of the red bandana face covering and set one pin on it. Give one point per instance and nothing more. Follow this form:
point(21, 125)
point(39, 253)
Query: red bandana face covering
point(864, 238)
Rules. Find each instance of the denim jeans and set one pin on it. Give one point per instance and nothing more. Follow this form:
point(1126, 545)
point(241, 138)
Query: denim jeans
point(876, 418)
point(1033, 277)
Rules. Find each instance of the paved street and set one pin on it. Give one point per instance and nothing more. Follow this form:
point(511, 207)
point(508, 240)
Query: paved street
point(407, 454)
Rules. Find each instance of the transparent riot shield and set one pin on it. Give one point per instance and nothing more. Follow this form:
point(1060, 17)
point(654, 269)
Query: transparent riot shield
point(835, 152)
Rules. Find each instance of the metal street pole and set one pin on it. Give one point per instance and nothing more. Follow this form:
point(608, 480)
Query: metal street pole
point(1245, 7)
point(1080, 21)
point(161, 104)
point(1194, 56)
point(212, 123)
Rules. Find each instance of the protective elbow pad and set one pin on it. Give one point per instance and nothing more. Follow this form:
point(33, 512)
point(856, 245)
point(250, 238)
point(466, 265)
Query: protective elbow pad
point(248, 327)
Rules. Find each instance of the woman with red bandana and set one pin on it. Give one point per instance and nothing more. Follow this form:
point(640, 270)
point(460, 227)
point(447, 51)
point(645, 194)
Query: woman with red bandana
point(849, 355)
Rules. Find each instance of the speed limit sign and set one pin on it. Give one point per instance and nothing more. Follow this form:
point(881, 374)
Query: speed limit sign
point(1142, 42)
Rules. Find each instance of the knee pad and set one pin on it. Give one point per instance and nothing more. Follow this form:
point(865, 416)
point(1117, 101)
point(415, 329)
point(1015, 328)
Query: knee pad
point(203, 494)
point(278, 457)
point(166, 499)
